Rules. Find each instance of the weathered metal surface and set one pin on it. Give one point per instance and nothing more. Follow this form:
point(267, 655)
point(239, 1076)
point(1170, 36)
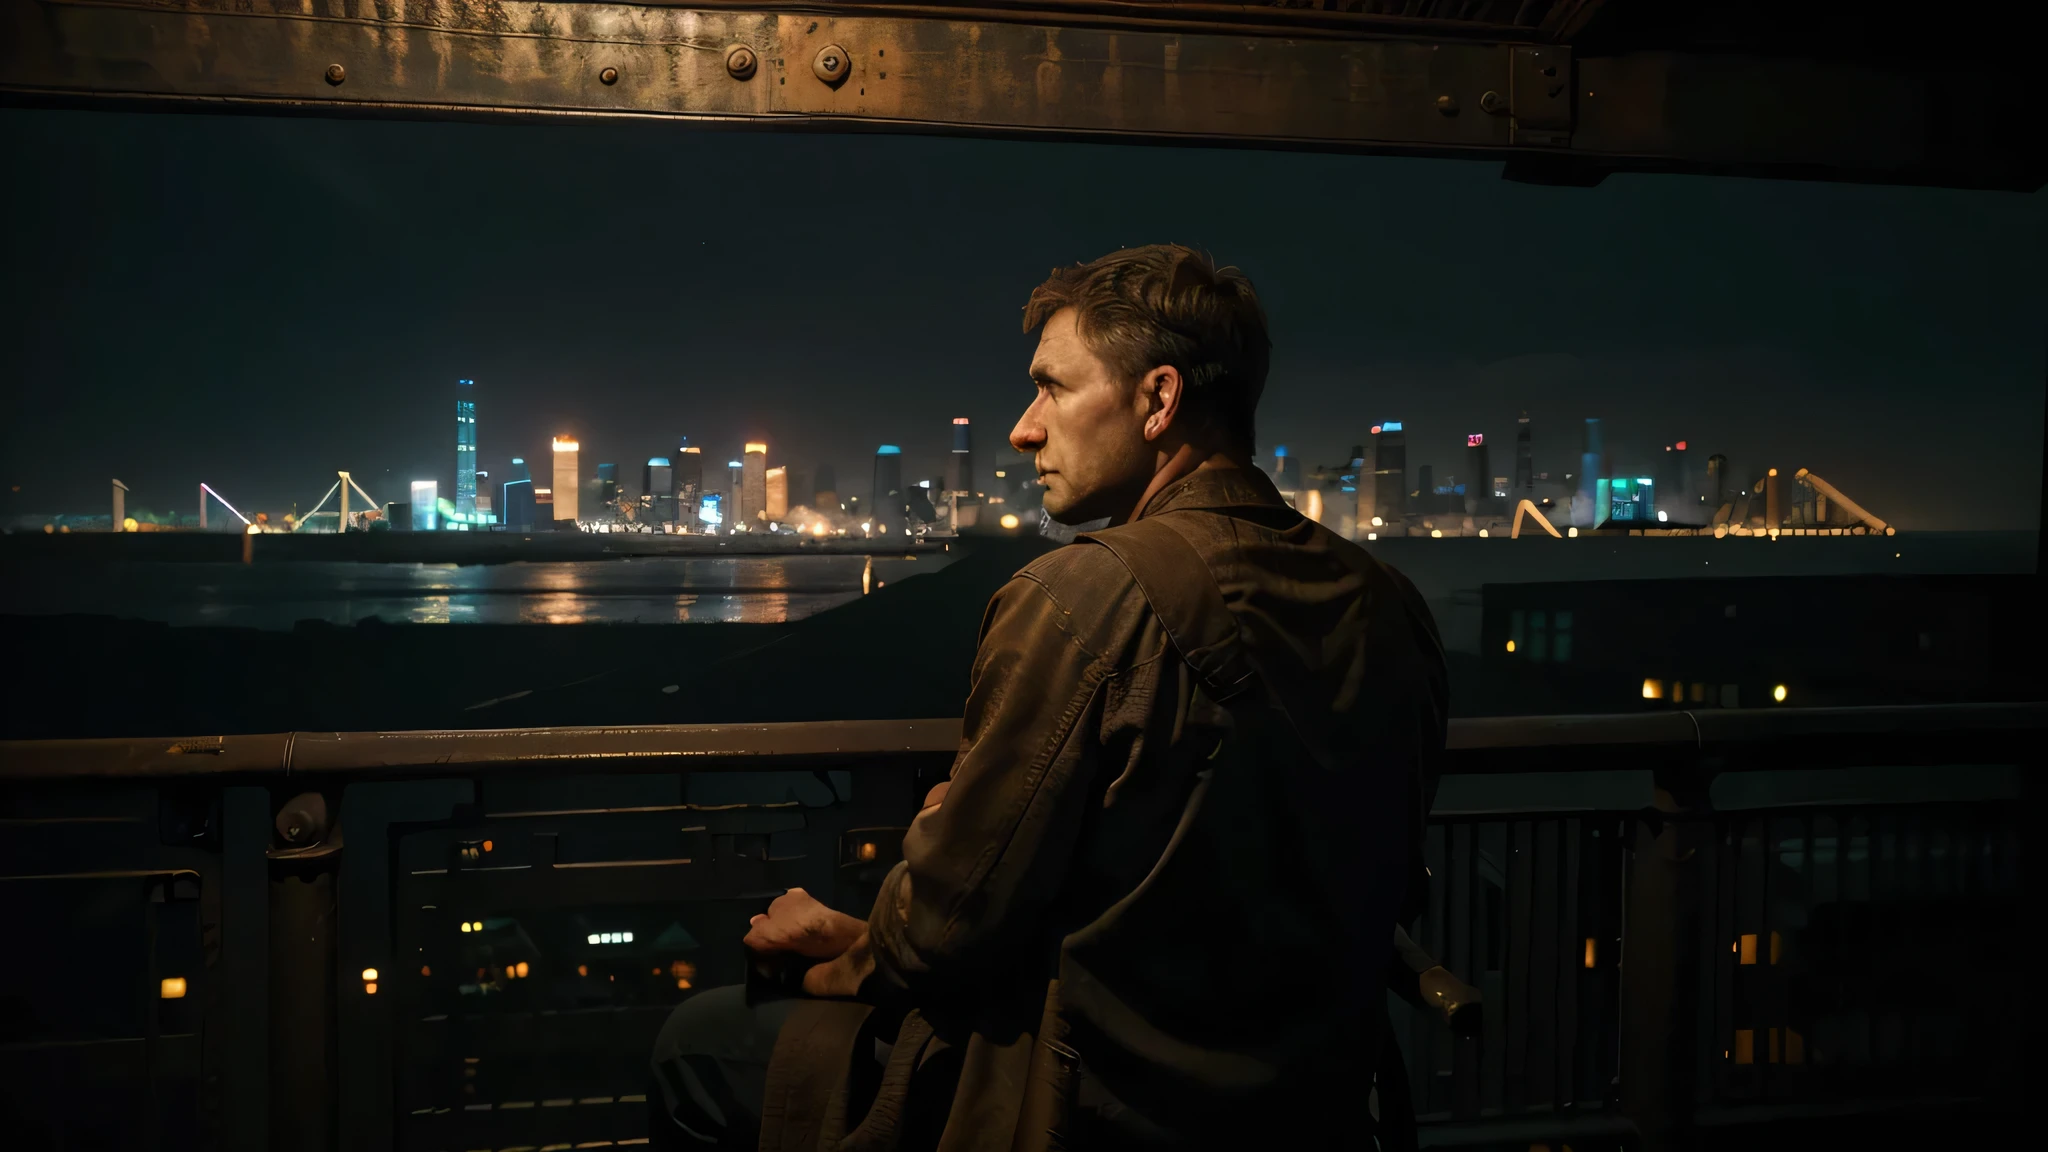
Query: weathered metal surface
point(1168, 73)
point(1960, 733)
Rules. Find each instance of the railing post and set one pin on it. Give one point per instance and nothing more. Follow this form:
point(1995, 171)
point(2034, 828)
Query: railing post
point(1659, 963)
point(304, 1071)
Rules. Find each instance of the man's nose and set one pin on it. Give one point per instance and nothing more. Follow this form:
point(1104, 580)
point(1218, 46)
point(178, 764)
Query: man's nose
point(1029, 434)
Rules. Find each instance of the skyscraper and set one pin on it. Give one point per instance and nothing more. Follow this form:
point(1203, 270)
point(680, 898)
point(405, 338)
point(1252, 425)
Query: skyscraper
point(426, 505)
point(960, 465)
point(465, 449)
point(607, 486)
point(1717, 483)
point(1587, 510)
point(825, 489)
point(1674, 483)
point(885, 507)
point(568, 479)
point(1525, 459)
point(1478, 473)
point(689, 482)
point(1389, 470)
point(517, 497)
point(776, 505)
point(733, 509)
point(658, 485)
point(755, 482)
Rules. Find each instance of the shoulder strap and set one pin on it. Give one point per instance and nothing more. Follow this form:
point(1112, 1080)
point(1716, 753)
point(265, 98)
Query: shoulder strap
point(1177, 583)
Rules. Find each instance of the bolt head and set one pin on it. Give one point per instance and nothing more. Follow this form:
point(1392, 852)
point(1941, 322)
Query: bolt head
point(741, 62)
point(1448, 105)
point(609, 76)
point(831, 64)
point(336, 73)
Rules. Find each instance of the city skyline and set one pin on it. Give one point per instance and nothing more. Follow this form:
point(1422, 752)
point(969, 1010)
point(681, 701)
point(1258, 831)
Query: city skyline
point(1787, 325)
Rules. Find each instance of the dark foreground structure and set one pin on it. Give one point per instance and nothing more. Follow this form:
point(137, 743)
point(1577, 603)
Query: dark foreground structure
point(1692, 929)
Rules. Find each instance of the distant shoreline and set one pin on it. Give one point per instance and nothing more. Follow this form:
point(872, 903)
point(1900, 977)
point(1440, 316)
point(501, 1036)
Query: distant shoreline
point(434, 547)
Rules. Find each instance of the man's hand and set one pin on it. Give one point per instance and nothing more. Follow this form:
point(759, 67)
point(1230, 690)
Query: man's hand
point(796, 924)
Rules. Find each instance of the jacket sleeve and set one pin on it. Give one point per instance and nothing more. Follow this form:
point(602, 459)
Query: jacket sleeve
point(980, 871)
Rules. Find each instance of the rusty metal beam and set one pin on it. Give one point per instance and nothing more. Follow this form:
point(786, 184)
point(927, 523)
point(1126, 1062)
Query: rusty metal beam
point(1205, 74)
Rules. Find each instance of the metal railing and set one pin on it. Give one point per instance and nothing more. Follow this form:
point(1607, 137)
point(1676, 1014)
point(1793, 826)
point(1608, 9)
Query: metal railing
point(468, 939)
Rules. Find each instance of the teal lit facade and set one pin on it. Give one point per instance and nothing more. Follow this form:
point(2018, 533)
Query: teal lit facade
point(465, 450)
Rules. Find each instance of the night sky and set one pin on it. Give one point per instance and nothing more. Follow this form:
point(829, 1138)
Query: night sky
point(259, 302)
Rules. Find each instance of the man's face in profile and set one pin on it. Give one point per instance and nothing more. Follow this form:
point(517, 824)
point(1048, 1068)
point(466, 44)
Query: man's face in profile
point(1085, 426)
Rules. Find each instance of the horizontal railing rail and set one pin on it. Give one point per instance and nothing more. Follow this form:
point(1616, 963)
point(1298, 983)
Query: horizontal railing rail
point(1767, 738)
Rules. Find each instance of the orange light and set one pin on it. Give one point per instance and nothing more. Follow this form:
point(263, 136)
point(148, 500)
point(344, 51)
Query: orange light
point(487, 845)
point(1747, 948)
point(425, 970)
point(757, 446)
point(1511, 645)
point(371, 988)
point(867, 850)
point(683, 985)
point(1745, 1046)
point(1591, 951)
point(172, 988)
point(583, 969)
point(522, 969)
point(1653, 689)
point(683, 970)
point(1777, 947)
point(369, 975)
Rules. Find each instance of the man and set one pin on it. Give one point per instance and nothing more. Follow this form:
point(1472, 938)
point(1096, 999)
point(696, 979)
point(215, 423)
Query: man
point(1154, 906)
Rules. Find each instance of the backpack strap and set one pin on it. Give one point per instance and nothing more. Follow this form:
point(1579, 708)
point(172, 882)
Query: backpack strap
point(1183, 593)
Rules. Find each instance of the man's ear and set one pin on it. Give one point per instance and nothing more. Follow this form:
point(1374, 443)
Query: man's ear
point(1162, 389)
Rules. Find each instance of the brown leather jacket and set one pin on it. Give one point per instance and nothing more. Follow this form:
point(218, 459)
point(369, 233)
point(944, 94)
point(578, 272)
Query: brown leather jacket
point(1176, 840)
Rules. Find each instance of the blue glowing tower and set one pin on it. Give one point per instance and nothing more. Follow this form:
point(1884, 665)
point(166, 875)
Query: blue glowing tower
point(465, 450)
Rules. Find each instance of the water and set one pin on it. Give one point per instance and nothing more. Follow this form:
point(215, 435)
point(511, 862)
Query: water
point(659, 590)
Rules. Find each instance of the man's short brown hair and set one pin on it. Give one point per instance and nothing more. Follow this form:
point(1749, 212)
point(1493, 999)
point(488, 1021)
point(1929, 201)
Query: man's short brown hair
point(1165, 304)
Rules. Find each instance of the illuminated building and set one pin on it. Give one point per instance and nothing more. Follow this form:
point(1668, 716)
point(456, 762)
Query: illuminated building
point(776, 505)
point(465, 449)
point(1589, 507)
point(1478, 473)
point(426, 499)
point(517, 497)
point(1632, 502)
point(885, 507)
point(543, 508)
point(485, 506)
point(1675, 482)
point(710, 513)
point(567, 478)
point(1525, 458)
point(607, 484)
point(1284, 477)
point(658, 485)
point(734, 507)
point(825, 488)
point(960, 464)
point(1389, 470)
point(754, 483)
point(689, 481)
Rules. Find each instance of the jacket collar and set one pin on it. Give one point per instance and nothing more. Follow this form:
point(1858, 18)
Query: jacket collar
point(1216, 488)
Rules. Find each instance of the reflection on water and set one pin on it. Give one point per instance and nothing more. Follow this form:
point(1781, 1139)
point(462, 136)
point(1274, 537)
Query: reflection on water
point(661, 590)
